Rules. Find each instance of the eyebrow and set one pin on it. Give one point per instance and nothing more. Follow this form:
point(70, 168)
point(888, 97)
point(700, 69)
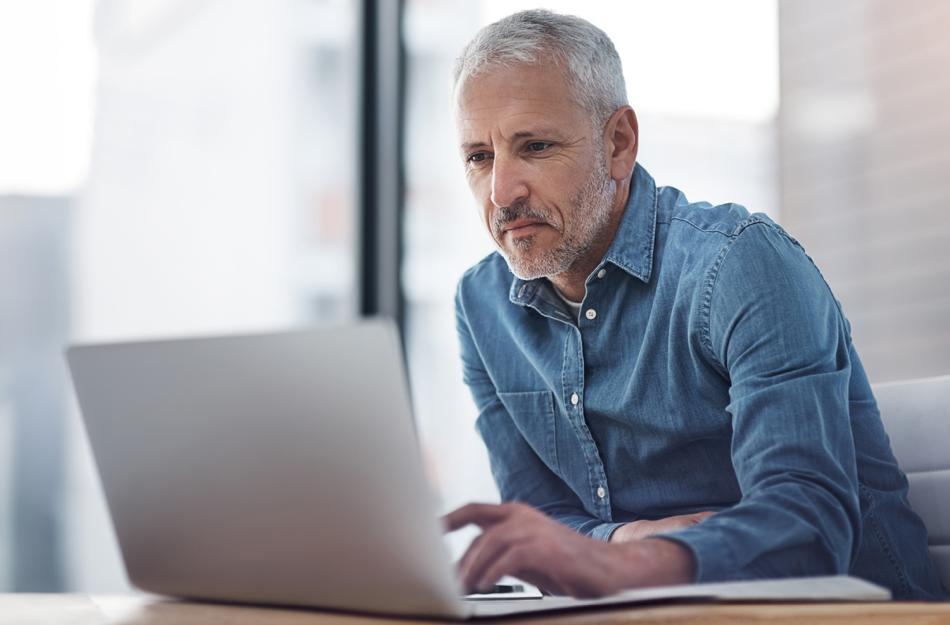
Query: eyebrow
point(521, 134)
point(474, 144)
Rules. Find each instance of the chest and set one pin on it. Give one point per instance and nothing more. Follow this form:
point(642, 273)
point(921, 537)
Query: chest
point(633, 361)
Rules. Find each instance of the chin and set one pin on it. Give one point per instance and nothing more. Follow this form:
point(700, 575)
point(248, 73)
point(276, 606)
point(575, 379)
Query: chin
point(531, 269)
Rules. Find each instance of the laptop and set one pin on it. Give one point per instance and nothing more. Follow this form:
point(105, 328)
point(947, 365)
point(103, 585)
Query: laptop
point(284, 469)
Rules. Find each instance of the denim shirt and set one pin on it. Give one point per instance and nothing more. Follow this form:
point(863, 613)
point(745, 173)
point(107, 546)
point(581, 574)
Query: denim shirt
point(711, 368)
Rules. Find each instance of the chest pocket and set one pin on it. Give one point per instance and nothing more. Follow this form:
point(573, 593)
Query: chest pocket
point(534, 416)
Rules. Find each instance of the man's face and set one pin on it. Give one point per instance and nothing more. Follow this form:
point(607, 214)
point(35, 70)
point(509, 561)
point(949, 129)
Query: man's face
point(537, 166)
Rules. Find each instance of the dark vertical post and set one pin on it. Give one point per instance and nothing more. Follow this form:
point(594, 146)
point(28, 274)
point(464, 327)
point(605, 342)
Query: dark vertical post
point(381, 183)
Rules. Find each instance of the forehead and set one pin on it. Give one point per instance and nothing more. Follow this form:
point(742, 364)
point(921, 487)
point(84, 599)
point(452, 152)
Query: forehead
point(511, 99)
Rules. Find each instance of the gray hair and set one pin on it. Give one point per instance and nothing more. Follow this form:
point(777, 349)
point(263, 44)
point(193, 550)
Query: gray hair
point(529, 37)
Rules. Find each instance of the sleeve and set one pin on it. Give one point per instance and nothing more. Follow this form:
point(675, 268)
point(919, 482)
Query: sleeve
point(518, 471)
point(774, 328)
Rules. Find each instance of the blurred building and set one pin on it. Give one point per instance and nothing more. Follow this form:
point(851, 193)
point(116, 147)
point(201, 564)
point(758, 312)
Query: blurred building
point(865, 169)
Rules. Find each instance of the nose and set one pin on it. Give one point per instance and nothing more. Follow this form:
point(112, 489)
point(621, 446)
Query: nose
point(508, 181)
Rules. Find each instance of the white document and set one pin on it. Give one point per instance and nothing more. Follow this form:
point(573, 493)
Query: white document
point(818, 589)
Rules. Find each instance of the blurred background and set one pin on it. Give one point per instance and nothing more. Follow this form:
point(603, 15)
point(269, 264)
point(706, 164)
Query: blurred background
point(179, 167)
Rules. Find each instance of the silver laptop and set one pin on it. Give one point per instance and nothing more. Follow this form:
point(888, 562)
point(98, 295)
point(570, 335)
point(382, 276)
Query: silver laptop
point(284, 469)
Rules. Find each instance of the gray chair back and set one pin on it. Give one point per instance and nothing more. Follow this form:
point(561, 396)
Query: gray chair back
point(916, 415)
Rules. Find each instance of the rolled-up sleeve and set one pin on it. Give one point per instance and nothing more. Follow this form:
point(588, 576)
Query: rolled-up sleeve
point(770, 324)
point(517, 470)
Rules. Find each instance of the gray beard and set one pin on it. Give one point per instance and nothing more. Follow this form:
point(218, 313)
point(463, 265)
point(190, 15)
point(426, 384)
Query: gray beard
point(592, 204)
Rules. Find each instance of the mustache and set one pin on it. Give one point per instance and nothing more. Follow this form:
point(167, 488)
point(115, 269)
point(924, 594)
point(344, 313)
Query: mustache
point(509, 214)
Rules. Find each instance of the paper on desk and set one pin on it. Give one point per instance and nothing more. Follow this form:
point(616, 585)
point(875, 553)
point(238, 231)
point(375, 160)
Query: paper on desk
point(827, 588)
point(817, 589)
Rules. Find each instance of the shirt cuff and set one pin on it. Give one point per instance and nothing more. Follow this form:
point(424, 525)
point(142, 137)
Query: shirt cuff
point(604, 531)
point(714, 560)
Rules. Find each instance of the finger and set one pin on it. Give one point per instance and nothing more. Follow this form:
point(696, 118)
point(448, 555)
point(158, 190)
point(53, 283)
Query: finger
point(520, 561)
point(510, 561)
point(467, 556)
point(586, 575)
point(480, 514)
point(546, 583)
point(493, 544)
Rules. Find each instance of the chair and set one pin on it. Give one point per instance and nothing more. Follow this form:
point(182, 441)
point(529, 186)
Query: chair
point(916, 415)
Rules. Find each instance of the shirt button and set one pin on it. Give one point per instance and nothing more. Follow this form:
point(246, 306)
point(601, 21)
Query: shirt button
point(591, 314)
point(574, 399)
point(601, 273)
point(601, 492)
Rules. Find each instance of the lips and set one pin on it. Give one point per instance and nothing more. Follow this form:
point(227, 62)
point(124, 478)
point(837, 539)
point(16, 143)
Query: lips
point(521, 223)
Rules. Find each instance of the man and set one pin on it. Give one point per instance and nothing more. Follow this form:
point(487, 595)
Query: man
point(668, 391)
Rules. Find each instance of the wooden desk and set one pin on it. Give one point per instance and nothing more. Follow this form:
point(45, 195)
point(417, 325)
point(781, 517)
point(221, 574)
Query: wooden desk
point(27, 609)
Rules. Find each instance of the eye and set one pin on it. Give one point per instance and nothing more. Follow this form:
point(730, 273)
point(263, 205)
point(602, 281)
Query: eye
point(538, 146)
point(477, 157)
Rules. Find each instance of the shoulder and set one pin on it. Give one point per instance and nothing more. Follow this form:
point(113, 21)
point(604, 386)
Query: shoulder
point(743, 251)
point(694, 239)
point(716, 220)
point(759, 246)
point(762, 278)
point(723, 230)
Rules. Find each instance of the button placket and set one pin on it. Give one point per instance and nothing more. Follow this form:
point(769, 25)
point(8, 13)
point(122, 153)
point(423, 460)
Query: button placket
point(573, 380)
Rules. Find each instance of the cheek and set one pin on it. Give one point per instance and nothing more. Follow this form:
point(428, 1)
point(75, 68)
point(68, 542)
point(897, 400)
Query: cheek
point(479, 185)
point(555, 207)
point(481, 192)
point(486, 218)
point(564, 203)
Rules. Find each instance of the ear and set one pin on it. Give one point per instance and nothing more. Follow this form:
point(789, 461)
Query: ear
point(621, 139)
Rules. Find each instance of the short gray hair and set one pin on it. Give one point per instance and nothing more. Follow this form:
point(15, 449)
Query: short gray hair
point(528, 37)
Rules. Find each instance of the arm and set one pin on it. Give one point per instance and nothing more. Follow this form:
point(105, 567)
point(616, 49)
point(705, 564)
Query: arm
point(518, 471)
point(774, 328)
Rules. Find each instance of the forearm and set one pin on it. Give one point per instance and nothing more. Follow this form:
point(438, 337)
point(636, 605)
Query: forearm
point(789, 530)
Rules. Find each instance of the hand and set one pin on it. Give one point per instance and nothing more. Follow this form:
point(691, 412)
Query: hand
point(638, 530)
point(521, 541)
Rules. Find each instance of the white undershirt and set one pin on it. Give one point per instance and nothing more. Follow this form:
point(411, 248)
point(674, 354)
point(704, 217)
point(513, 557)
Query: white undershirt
point(574, 306)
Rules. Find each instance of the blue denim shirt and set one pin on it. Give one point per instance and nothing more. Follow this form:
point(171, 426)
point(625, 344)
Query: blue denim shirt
point(711, 368)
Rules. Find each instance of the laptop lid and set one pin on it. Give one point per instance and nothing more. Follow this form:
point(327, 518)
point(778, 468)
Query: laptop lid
point(274, 468)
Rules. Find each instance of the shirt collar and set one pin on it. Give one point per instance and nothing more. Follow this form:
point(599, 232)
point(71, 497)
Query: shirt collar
point(632, 247)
